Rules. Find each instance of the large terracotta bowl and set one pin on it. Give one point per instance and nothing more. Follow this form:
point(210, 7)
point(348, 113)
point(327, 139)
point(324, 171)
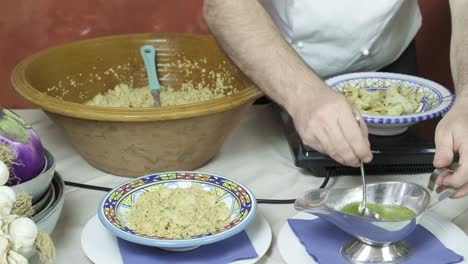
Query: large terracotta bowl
point(129, 141)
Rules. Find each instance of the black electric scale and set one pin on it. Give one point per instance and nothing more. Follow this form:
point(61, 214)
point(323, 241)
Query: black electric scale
point(409, 153)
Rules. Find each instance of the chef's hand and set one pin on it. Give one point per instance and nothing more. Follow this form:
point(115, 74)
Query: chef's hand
point(452, 137)
point(326, 122)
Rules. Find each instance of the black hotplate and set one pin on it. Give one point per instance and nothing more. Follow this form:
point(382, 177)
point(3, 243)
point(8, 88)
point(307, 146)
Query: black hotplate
point(409, 153)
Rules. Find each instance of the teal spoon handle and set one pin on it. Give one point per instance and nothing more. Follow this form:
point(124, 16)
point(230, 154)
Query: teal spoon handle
point(148, 53)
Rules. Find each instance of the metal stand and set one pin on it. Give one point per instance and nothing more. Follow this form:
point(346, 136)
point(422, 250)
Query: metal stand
point(356, 251)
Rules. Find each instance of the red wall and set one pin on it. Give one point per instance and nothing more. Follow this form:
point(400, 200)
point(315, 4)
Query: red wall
point(27, 26)
point(433, 42)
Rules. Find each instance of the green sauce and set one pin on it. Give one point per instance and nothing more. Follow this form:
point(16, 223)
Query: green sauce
point(386, 212)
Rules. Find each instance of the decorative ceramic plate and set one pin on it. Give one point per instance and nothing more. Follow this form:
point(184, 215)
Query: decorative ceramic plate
point(292, 251)
point(101, 246)
point(436, 99)
point(118, 202)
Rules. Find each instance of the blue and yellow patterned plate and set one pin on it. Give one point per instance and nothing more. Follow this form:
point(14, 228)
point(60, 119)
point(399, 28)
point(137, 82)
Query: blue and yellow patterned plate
point(118, 202)
point(436, 100)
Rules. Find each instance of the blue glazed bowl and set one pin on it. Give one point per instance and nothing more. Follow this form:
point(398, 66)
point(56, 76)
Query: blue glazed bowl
point(437, 100)
point(118, 202)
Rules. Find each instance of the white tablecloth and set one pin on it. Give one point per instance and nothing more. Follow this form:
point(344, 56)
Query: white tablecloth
point(256, 154)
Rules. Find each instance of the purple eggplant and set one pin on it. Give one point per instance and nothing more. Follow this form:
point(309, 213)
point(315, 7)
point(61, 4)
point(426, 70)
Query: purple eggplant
point(20, 148)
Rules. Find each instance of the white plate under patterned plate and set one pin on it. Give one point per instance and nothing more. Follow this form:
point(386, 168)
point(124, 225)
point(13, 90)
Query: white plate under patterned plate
point(292, 251)
point(101, 246)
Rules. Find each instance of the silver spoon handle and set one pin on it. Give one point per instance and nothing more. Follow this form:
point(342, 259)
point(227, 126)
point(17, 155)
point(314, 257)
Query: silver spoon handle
point(363, 175)
point(364, 185)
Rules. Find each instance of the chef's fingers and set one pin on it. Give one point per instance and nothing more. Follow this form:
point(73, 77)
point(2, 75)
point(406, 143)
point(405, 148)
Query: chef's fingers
point(356, 137)
point(461, 192)
point(460, 176)
point(444, 148)
point(340, 149)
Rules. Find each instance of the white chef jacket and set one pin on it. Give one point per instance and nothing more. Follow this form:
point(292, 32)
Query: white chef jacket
point(340, 36)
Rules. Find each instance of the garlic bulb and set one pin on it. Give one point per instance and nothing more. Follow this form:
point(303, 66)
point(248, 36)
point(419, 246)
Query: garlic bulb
point(7, 198)
point(4, 246)
point(8, 191)
point(18, 233)
point(16, 258)
point(23, 233)
point(26, 252)
point(4, 173)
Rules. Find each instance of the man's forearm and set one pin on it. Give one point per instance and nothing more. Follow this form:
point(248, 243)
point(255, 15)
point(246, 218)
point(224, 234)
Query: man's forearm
point(248, 35)
point(459, 46)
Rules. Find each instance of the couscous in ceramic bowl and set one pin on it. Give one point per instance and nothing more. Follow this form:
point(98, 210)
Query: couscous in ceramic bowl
point(117, 203)
point(435, 101)
point(61, 80)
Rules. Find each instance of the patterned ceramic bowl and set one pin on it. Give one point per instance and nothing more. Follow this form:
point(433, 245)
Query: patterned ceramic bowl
point(436, 100)
point(118, 202)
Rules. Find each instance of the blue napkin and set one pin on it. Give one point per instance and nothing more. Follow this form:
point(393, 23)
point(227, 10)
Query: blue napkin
point(324, 240)
point(237, 247)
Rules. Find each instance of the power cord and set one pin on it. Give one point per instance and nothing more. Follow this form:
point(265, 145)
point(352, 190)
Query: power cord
point(260, 201)
point(87, 186)
point(291, 201)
